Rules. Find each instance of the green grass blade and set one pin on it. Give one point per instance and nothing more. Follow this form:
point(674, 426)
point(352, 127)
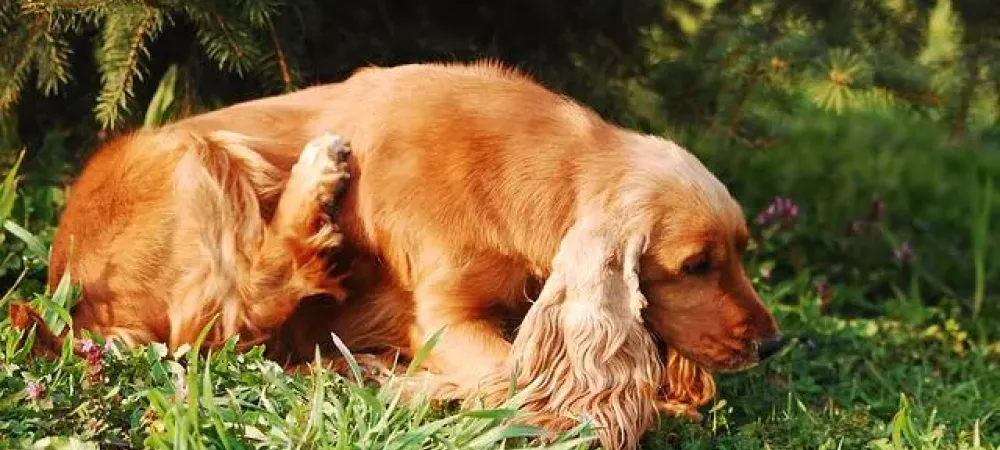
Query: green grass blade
point(424, 351)
point(8, 190)
point(351, 361)
point(34, 245)
point(158, 111)
point(498, 434)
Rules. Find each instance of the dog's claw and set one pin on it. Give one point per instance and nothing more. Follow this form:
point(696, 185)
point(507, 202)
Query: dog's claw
point(331, 205)
point(338, 152)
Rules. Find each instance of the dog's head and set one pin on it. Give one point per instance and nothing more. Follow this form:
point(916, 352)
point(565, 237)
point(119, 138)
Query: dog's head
point(700, 301)
point(654, 256)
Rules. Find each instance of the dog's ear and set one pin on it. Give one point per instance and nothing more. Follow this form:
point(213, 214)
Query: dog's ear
point(686, 386)
point(582, 350)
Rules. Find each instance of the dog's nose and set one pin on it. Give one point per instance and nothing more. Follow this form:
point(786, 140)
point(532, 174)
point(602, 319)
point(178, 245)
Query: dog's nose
point(769, 346)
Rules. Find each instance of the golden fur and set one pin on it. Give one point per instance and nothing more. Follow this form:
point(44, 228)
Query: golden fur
point(471, 185)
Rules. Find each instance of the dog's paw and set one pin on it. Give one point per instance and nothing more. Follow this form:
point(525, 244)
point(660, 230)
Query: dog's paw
point(321, 173)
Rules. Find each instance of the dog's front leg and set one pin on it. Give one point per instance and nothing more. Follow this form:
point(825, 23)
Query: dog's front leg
point(293, 260)
point(471, 345)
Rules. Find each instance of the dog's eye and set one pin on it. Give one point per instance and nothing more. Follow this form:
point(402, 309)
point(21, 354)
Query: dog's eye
point(699, 265)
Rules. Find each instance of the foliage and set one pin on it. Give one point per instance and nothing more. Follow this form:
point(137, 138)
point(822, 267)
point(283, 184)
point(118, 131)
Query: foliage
point(237, 36)
point(867, 186)
point(695, 62)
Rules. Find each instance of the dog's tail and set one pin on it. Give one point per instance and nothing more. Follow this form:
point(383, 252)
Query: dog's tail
point(46, 343)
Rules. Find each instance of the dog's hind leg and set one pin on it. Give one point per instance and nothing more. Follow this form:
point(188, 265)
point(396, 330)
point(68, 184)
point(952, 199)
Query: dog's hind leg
point(248, 275)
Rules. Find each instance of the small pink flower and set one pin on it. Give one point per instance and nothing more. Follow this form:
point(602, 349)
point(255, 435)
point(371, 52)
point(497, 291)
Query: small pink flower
point(94, 355)
point(781, 211)
point(904, 253)
point(35, 390)
point(89, 347)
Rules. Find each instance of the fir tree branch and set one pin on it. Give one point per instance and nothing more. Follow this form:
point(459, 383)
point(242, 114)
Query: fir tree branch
point(261, 12)
point(52, 63)
point(17, 52)
point(230, 43)
point(120, 58)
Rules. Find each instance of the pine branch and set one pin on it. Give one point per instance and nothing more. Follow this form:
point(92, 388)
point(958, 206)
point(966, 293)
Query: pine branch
point(230, 43)
point(52, 63)
point(123, 47)
point(261, 12)
point(17, 53)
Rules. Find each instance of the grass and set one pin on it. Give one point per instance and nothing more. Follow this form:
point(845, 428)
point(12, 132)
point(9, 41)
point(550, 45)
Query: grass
point(886, 352)
point(864, 383)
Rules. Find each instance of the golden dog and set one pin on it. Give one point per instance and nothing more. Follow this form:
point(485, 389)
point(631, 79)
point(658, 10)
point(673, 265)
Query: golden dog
point(470, 185)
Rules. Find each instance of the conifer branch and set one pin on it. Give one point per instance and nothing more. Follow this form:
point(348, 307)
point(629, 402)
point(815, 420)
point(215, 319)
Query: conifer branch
point(52, 63)
point(121, 52)
point(17, 52)
point(229, 43)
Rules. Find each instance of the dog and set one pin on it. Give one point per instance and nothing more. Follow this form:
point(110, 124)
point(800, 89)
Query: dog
point(477, 197)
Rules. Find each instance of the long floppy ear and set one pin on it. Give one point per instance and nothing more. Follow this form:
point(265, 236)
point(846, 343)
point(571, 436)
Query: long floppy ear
point(582, 350)
point(686, 386)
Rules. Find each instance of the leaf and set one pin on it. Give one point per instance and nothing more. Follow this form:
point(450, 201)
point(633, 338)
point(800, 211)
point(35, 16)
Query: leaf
point(351, 362)
point(52, 312)
point(570, 444)
point(158, 111)
point(944, 35)
point(34, 245)
point(506, 432)
point(373, 403)
point(8, 190)
point(424, 351)
point(498, 414)
point(420, 434)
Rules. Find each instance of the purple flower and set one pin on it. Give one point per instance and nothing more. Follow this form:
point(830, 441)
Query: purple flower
point(904, 253)
point(94, 355)
point(89, 347)
point(781, 211)
point(35, 390)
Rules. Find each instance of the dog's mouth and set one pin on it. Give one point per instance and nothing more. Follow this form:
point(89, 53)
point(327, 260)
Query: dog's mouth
point(739, 362)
